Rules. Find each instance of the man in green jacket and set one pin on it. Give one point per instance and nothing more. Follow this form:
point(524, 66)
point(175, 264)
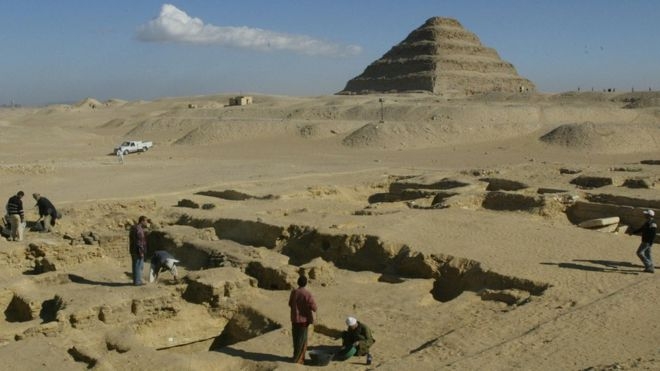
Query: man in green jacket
point(358, 335)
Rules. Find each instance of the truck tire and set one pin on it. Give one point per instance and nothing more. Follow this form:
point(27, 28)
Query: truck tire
point(125, 152)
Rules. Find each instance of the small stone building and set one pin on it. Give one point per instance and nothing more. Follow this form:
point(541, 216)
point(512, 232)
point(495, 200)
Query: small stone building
point(241, 100)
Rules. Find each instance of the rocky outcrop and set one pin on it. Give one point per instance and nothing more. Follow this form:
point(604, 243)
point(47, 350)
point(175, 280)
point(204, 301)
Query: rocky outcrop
point(443, 58)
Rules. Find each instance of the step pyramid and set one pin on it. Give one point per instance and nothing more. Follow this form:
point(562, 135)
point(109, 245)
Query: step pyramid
point(440, 57)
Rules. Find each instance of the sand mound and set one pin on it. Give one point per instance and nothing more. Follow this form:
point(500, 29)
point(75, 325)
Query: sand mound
point(218, 132)
point(89, 102)
point(390, 136)
point(440, 132)
point(639, 100)
point(114, 123)
point(165, 129)
point(605, 138)
point(320, 130)
point(115, 102)
point(55, 108)
point(627, 100)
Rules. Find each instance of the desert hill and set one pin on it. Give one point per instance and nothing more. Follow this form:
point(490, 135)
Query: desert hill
point(410, 120)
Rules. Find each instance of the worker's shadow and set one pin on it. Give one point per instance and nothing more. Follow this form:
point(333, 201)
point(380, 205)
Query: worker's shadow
point(615, 265)
point(606, 266)
point(252, 356)
point(82, 280)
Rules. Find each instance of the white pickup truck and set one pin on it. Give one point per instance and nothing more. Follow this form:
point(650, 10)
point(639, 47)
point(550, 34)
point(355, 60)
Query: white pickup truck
point(131, 146)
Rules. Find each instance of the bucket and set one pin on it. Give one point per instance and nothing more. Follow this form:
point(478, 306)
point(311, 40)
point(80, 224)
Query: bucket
point(320, 357)
point(345, 353)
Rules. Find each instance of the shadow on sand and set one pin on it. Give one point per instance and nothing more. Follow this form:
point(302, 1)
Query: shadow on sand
point(252, 356)
point(606, 266)
point(82, 280)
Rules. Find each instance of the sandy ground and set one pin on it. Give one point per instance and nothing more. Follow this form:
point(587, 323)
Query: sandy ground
point(450, 228)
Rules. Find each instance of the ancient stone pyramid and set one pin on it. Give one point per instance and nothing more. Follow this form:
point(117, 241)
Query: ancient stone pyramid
point(441, 57)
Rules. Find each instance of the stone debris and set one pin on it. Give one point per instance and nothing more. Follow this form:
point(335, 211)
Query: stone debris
point(646, 183)
point(566, 170)
point(588, 182)
point(188, 203)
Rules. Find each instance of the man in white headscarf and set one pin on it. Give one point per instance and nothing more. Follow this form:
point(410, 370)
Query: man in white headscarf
point(160, 261)
point(358, 336)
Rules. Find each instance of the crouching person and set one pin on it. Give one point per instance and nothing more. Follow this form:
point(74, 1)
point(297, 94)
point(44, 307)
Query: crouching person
point(47, 213)
point(160, 261)
point(357, 339)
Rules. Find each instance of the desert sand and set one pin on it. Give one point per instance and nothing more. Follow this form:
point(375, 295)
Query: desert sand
point(450, 228)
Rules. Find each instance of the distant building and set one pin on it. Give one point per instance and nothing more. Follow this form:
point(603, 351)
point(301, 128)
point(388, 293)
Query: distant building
point(241, 100)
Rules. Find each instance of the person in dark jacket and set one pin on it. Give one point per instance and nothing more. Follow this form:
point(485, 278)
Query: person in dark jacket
point(47, 212)
point(358, 335)
point(16, 216)
point(162, 260)
point(648, 231)
point(137, 241)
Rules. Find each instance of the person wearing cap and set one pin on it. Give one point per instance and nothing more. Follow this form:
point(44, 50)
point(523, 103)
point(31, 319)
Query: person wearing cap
point(648, 231)
point(160, 261)
point(47, 212)
point(137, 242)
point(358, 335)
point(16, 216)
point(303, 310)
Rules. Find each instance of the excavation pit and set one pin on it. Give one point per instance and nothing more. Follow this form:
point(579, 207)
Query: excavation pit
point(233, 195)
point(302, 245)
point(245, 324)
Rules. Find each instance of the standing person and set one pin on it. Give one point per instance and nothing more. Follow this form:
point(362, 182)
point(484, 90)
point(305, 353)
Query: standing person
point(137, 240)
point(120, 156)
point(16, 216)
point(47, 212)
point(648, 231)
point(162, 259)
point(303, 310)
point(358, 336)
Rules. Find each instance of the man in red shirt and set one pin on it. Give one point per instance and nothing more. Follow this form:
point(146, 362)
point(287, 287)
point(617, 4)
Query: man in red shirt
point(137, 241)
point(303, 310)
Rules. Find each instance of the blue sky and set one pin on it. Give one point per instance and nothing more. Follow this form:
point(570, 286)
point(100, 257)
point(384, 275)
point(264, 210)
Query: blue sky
point(66, 50)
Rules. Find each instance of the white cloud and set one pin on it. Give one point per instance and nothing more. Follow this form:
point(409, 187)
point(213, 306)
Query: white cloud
point(175, 25)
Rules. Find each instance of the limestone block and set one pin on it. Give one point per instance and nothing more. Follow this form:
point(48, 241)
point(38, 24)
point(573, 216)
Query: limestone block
point(606, 229)
point(210, 285)
point(600, 222)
